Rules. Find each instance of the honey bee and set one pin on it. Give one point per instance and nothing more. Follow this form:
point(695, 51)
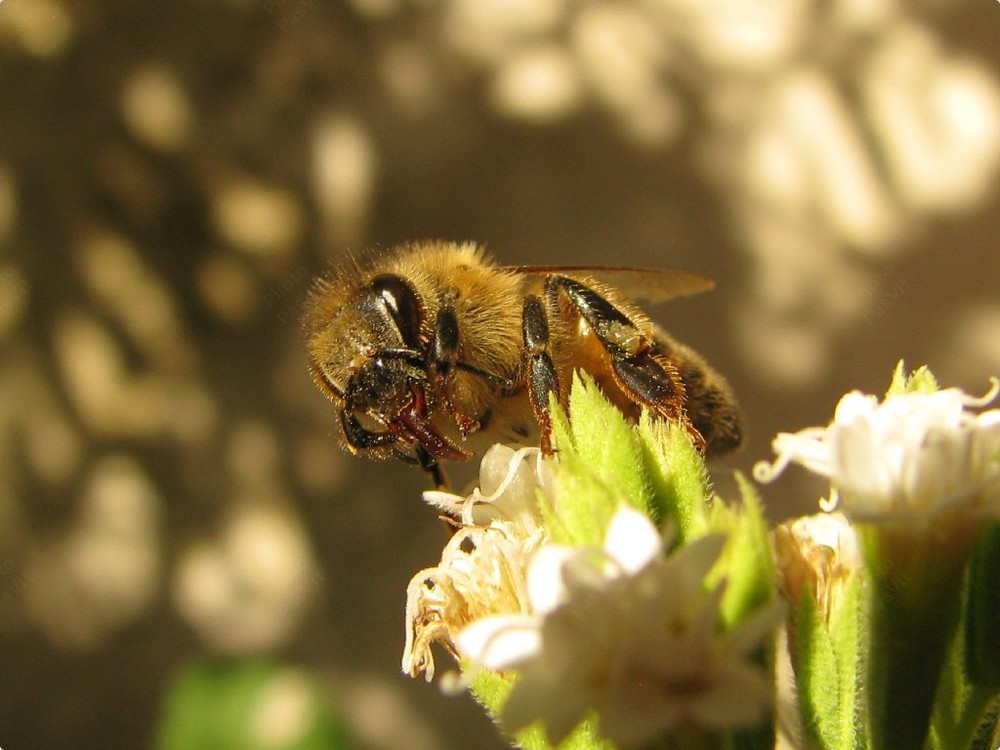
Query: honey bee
point(434, 352)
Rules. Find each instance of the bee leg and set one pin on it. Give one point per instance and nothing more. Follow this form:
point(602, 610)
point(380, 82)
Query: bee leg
point(444, 360)
point(644, 376)
point(710, 404)
point(432, 468)
point(427, 463)
point(542, 377)
point(360, 439)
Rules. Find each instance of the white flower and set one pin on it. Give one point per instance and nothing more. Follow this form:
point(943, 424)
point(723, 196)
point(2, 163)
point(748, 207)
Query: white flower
point(629, 633)
point(483, 567)
point(482, 573)
point(911, 457)
point(509, 481)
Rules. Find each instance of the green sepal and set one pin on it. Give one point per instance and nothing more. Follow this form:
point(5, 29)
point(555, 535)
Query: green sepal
point(827, 661)
point(950, 720)
point(491, 690)
point(914, 592)
point(598, 467)
point(817, 675)
point(920, 380)
point(849, 635)
point(747, 566)
point(677, 478)
point(604, 461)
point(965, 709)
point(746, 561)
point(966, 705)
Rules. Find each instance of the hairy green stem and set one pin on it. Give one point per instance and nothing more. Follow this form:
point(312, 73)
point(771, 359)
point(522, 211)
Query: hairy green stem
point(913, 607)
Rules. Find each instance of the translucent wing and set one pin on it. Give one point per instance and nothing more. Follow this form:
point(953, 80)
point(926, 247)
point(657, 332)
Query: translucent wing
point(651, 285)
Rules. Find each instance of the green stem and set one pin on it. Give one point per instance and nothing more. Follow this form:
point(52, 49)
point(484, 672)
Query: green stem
point(977, 701)
point(913, 607)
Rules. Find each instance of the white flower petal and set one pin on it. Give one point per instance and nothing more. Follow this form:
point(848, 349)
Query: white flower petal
point(509, 481)
point(631, 540)
point(697, 558)
point(633, 641)
point(545, 577)
point(496, 469)
point(855, 405)
point(500, 642)
point(446, 502)
point(540, 695)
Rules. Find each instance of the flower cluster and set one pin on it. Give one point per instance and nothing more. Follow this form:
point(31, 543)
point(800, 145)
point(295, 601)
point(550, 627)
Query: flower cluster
point(578, 619)
point(482, 568)
point(901, 657)
point(580, 624)
point(629, 633)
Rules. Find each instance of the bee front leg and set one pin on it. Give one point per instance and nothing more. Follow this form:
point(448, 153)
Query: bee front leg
point(445, 360)
point(643, 375)
point(432, 468)
point(542, 377)
point(360, 439)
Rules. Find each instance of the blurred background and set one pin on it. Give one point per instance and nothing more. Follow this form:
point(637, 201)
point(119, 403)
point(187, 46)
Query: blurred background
point(187, 559)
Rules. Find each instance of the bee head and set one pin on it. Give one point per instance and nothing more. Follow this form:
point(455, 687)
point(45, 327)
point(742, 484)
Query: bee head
point(369, 355)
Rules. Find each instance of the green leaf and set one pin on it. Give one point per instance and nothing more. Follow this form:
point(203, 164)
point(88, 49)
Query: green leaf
point(491, 690)
point(215, 705)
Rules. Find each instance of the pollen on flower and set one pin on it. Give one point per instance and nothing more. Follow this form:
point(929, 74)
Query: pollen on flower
point(481, 574)
point(818, 551)
point(483, 566)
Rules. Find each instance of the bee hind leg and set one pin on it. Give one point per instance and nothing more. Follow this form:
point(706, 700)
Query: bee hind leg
point(645, 376)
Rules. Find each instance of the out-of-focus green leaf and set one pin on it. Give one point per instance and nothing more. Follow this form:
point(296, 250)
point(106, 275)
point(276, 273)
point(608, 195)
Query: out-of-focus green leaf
point(254, 705)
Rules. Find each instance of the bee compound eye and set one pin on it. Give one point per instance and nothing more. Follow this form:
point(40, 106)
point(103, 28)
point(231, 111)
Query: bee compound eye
point(400, 300)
